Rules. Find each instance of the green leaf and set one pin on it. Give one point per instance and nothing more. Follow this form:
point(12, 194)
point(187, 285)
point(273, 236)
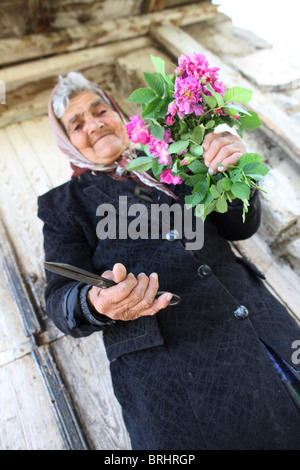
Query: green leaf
point(210, 100)
point(240, 190)
point(199, 211)
point(255, 177)
point(183, 126)
point(156, 129)
point(236, 175)
point(238, 94)
point(248, 158)
point(222, 205)
point(140, 164)
point(210, 124)
point(226, 184)
point(217, 96)
point(194, 199)
point(229, 111)
point(195, 179)
point(259, 169)
point(141, 95)
point(196, 150)
point(159, 65)
point(209, 204)
point(157, 168)
point(150, 109)
point(197, 135)
point(233, 109)
point(155, 82)
point(214, 192)
point(179, 146)
point(197, 167)
point(250, 122)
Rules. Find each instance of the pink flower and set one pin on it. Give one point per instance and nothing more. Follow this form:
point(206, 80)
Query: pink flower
point(187, 94)
point(167, 177)
point(168, 136)
point(196, 66)
point(169, 120)
point(160, 149)
point(172, 108)
point(137, 131)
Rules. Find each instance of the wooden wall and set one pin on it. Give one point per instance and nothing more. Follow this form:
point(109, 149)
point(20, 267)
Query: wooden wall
point(23, 17)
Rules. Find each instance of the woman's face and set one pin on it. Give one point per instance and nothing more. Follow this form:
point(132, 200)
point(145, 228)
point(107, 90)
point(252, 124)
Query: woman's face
point(95, 129)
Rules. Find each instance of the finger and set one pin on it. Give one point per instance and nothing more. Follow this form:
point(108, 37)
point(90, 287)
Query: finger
point(158, 304)
point(232, 160)
point(214, 148)
point(149, 293)
point(110, 297)
point(209, 138)
point(119, 272)
point(225, 153)
point(136, 296)
point(143, 295)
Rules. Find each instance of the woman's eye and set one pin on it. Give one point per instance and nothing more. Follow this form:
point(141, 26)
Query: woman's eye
point(103, 111)
point(77, 127)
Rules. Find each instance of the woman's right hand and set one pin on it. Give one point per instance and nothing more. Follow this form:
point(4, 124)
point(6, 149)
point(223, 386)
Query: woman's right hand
point(131, 298)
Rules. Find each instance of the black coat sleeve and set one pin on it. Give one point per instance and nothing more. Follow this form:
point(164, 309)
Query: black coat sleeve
point(230, 224)
point(65, 300)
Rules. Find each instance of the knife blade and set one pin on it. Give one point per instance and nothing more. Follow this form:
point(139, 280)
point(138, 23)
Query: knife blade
point(81, 275)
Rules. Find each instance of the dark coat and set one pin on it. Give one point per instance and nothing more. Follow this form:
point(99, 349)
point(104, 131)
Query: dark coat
point(196, 375)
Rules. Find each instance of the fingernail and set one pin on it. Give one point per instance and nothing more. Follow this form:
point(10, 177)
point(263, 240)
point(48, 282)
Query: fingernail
point(169, 297)
point(154, 275)
point(211, 171)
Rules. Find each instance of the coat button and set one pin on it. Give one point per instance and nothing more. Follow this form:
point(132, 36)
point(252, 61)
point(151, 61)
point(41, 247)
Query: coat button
point(204, 270)
point(172, 235)
point(241, 312)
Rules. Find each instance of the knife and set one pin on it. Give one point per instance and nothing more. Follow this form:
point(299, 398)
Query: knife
point(78, 274)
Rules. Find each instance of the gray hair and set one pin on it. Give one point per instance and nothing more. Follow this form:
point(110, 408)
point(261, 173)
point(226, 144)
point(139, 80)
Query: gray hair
point(70, 85)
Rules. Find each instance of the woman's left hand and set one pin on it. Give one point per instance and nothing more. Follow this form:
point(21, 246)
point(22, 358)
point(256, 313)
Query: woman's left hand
point(224, 148)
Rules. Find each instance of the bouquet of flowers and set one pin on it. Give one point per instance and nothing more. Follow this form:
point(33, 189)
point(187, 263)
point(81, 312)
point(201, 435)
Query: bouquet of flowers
point(177, 113)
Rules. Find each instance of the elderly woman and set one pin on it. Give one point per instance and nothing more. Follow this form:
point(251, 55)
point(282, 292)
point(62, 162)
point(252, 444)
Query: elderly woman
point(216, 370)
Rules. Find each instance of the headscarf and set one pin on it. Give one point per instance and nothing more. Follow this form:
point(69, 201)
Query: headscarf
point(80, 164)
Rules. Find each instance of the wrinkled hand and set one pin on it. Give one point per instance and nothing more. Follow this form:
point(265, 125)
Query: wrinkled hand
point(222, 148)
point(131, 298)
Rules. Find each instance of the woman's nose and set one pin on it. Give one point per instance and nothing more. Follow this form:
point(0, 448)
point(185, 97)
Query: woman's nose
point(93, 125)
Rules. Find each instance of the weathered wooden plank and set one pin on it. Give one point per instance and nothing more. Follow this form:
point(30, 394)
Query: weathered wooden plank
point(13, 341)
point(86, 373)
point(28, 156)
point(65, 415)
point(18, 75)
point(280, 278)
point(19, 207)
point(276, 123)
point(51, 160)
point(73, 13)
point(16, 285)
point(28, 47)
point(153, 5)
point(26, 416)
